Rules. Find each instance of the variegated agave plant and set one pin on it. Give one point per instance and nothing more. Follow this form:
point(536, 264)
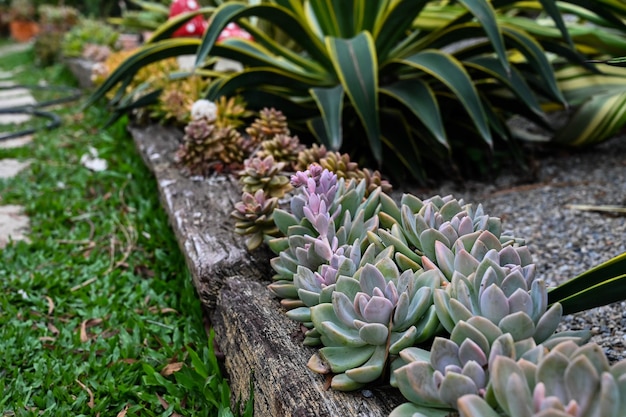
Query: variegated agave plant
point(568, 381)
point(373, 316)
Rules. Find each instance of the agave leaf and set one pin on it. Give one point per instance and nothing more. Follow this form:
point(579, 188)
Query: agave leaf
point(597, 119)
point(419, 98)
point(257, 77)
point(448, 70)
point(282, 17)
point(597, 286)
point(168, 28)
point(513, 80)
point(551, 8)
point(579, 83)
point(391, 27)
point(356, 66)
point(144, 56)
point(330, 103)
point(484, 13)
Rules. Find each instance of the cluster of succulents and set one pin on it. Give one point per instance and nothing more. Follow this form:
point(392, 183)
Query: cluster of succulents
point(431, 293)
point(176, 99)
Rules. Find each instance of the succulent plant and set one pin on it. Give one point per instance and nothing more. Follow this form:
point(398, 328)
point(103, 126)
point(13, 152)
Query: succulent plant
point(271, 122)
point(414, 228)
point(236, 149)
point(341, 165)
point(254, 217)
point(231, 111)
point(310, 155)
point(316, 287)
point(568, 381)
point(456, 366)
point(373, 316)
point(200, 147)
point(264, 174)
point(327, 215)
point(177, 98)
point(283, 148)
point(497, 283)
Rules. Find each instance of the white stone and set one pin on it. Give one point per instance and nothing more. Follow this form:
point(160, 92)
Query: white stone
point(16, 143)
point(11, 167)
point(13, 224)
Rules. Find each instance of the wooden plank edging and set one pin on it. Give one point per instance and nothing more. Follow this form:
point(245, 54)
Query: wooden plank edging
point(256, 337)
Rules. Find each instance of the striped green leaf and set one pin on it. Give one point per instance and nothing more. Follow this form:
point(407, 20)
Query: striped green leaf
point(420, 100)
point(484, 13)
point(596, 120)
point(330, 103)
point(146, 55)
point(602, 285)
point(449, 71)
point(357, 68)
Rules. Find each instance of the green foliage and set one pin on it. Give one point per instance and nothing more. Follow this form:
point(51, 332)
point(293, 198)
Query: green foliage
point(97, 314)
point(88, 31)
point(384, 70)
point(150, 16)
point(434, 291)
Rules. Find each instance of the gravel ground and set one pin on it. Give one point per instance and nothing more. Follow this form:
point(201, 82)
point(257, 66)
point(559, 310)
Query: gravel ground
point(564, 241)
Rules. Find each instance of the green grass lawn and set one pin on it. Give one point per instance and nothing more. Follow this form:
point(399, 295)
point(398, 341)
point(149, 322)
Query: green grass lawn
point(98, 314)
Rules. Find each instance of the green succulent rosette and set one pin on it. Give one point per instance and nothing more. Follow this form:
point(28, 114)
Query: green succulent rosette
point(373, 316)
point(569, 380)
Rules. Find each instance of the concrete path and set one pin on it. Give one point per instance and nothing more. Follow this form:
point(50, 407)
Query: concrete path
point(14, 225)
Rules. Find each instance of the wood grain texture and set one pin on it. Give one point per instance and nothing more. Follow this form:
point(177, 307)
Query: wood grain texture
point(259, 342)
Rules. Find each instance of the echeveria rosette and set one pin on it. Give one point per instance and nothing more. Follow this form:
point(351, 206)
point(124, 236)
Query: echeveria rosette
point(373, 315)
point(327, 217)
point(415, 227)
point(456, 366)
point(497, 283)
point(315, 287)
point(254, 217)
point(568, 381)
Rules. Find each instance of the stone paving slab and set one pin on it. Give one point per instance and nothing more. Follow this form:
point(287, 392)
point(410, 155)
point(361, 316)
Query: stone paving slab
point(17, 142)
point(13, 224)
point(11, 167)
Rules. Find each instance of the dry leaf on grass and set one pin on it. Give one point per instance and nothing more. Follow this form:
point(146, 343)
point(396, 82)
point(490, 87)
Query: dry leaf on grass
point(91, 403)
point(172, 368)
point(84, 335)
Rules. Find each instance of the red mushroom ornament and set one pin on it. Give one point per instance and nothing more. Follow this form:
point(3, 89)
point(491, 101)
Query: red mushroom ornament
point(232, 30)
point(195, 27)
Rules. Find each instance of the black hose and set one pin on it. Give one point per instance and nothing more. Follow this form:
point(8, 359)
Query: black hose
point(31, 109)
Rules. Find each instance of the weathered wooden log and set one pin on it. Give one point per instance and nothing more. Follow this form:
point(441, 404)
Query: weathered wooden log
point(259, 342)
